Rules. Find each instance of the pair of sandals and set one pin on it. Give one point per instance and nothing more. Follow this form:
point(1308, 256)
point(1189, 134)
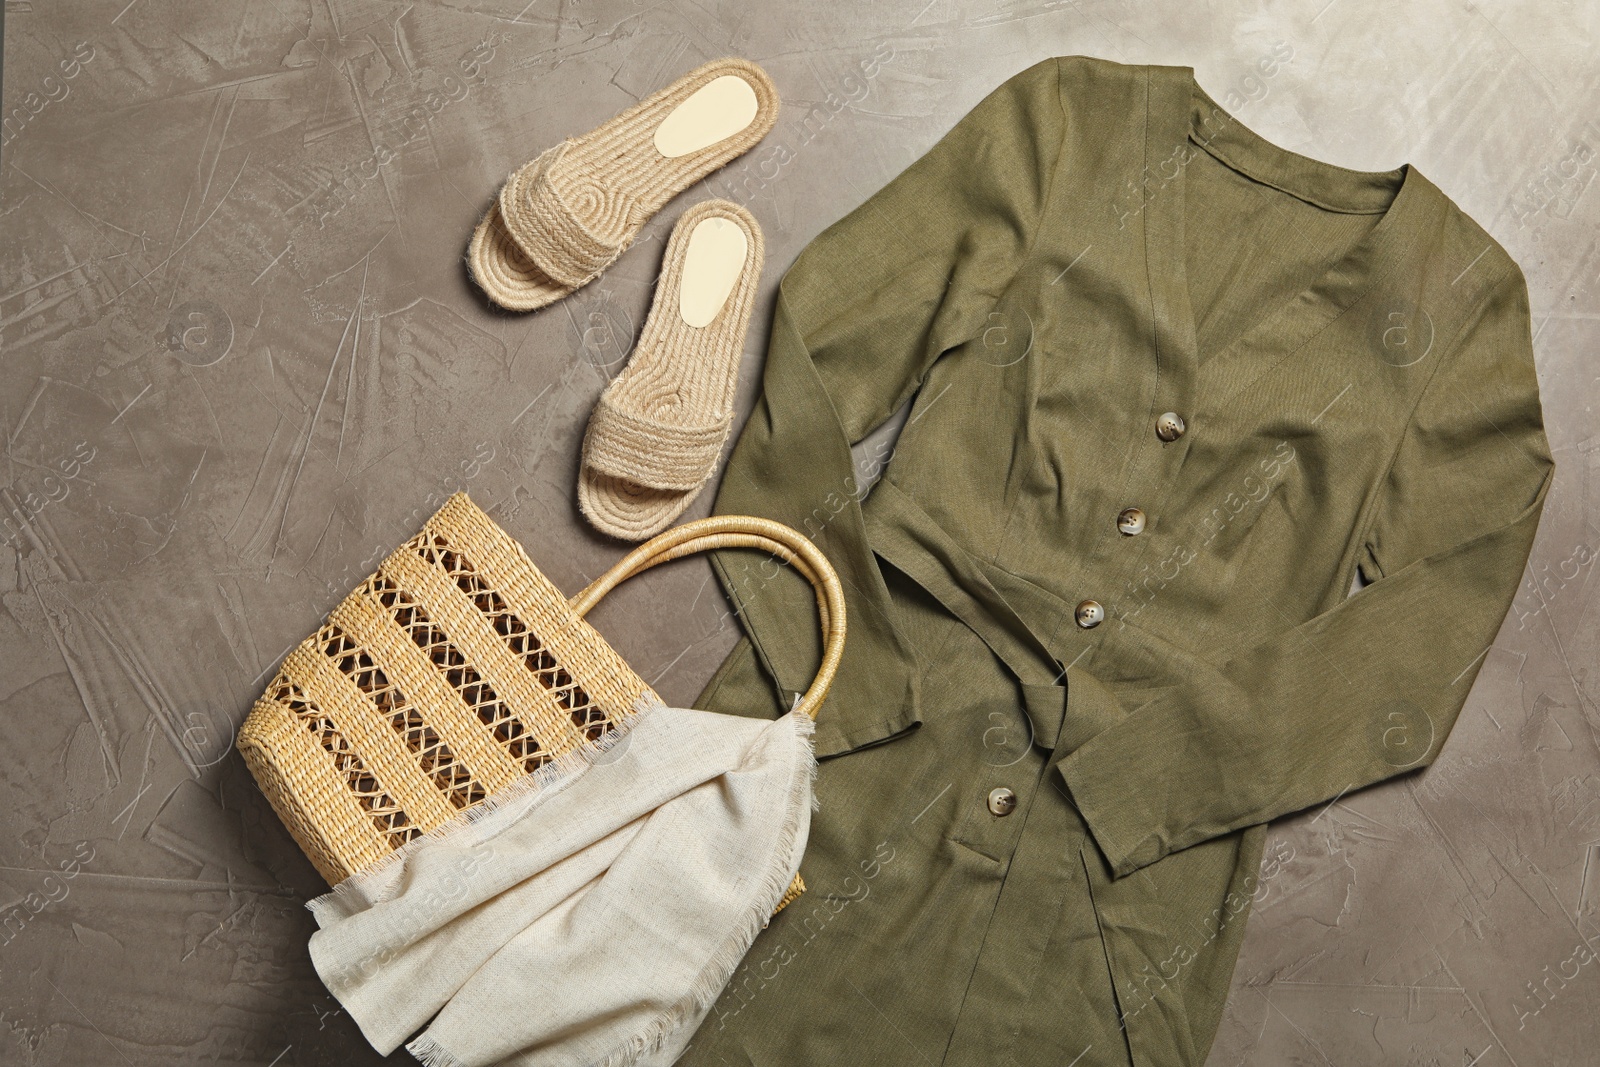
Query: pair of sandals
point(656, 435)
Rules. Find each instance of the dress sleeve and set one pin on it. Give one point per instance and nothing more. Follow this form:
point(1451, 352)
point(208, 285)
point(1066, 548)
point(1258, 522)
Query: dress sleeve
point(861, 316)
point(1370, 688)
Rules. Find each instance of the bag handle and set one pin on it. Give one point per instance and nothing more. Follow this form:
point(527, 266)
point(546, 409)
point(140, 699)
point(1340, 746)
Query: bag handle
point(743, 531)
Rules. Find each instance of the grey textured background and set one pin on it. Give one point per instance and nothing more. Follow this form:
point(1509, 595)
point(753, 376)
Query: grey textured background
point(242, 360)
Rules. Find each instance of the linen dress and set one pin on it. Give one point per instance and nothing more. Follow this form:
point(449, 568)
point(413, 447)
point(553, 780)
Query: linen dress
point(1173, 390)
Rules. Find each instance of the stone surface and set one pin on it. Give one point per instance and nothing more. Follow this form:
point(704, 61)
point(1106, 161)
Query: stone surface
point(242, 360)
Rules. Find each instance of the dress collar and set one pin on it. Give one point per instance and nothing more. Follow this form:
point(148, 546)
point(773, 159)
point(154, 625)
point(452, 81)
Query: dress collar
point(1184, 120)
point(1335, 188)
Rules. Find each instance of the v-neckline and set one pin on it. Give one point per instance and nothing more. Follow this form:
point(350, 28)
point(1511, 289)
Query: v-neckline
point(1185, 120)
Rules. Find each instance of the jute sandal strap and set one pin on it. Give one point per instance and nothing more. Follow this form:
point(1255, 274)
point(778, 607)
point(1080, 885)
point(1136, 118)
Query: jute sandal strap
point(649, 452)
point(554, 223)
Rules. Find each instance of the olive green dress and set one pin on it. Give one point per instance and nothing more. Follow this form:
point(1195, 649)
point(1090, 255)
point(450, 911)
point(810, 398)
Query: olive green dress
point(1173, 390)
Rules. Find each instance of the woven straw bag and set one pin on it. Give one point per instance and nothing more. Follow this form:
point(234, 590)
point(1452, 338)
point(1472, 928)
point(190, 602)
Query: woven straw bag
point(456, 669)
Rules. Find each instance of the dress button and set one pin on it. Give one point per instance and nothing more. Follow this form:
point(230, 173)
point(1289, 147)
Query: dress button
point(1090, 614)
point(1169, 426)
point(1130, 521)
point(1002, 801)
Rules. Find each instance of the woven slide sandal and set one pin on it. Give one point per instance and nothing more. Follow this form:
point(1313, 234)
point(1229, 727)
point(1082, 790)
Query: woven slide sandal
point(656, 434)
point(566, 216)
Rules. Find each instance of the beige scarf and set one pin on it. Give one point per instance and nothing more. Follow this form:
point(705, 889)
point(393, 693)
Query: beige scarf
point(588, 915)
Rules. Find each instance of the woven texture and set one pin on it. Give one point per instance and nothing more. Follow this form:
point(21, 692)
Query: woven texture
point(649, 451)
point(563, 218)
point(453, 673)
point(657, 432)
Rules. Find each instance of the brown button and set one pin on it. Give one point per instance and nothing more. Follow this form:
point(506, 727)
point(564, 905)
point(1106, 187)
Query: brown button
point(1169, 426)
point(1002, 801)
point(1090, 614)
point(1130, 521)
